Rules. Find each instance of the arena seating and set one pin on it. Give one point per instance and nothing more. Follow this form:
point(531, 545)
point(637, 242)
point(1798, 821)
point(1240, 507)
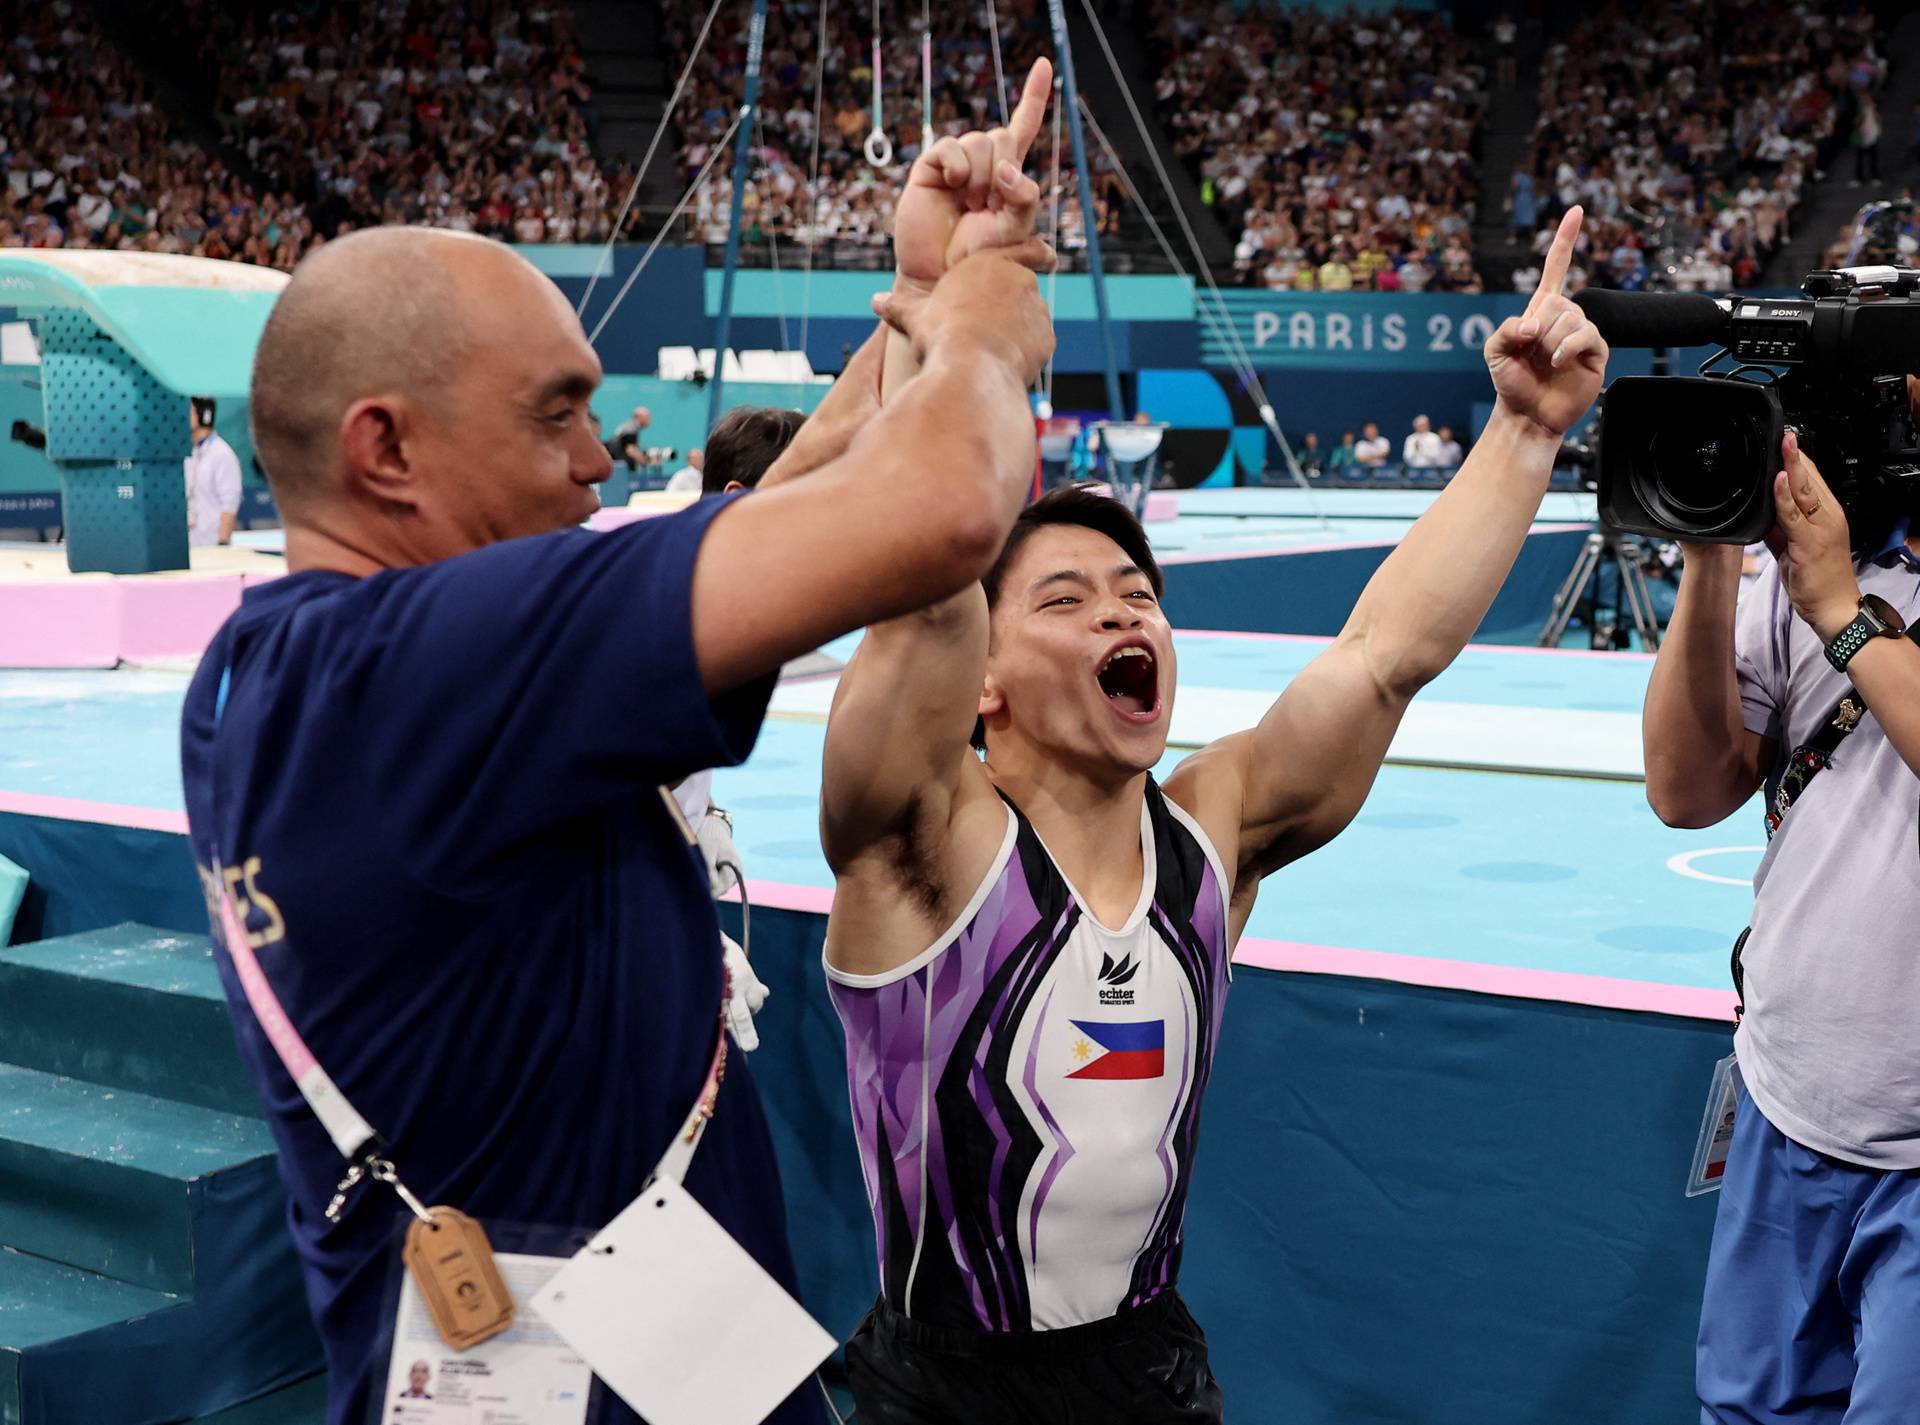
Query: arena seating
point(846, 221)
point(1337, 150)
point(473, 118)
point(1690, 133)
point(463, 117)
point(89, 159)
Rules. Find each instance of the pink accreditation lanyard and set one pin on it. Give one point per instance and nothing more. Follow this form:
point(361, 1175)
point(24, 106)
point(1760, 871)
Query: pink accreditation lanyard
point(352, 1135)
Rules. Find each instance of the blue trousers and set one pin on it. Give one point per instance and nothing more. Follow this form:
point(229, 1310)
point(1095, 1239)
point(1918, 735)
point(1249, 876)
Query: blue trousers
point(1812, 1310)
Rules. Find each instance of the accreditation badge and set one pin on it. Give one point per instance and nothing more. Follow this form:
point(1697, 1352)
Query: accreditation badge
point(521, 1375)
point(1716, 1129)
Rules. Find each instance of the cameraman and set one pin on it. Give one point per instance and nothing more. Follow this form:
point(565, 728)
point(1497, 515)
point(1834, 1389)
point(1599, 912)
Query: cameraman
point(626, 446)
point(1812, 1307)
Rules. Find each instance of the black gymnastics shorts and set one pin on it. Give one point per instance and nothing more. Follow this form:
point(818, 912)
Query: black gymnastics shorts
point(1144, 1366)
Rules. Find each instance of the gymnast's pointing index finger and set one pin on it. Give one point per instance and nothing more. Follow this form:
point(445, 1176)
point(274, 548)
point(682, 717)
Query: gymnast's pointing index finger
point(1031, 109)
point(1553, 272)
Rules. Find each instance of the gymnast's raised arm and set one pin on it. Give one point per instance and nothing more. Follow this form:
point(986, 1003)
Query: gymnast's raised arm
point(830, 429)
point(914, 511)
point(901, 792)
point(1292, 783)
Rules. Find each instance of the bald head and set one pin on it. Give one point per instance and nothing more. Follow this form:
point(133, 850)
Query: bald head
point(377, 312)
point(420, 393)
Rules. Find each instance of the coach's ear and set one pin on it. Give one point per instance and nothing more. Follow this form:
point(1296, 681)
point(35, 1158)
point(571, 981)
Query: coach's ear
point(1913, 396)
point(375, 435)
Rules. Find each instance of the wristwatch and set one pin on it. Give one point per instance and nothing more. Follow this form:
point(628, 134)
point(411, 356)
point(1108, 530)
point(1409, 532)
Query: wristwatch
point(1877, 619)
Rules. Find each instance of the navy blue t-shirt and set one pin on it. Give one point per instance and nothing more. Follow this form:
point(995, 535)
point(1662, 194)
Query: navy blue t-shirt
point(437, 790)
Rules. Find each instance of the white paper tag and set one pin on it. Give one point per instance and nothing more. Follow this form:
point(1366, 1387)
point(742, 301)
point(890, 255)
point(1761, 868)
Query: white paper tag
point(679, 1320)
point(526, 1375)
point(1716, 1129)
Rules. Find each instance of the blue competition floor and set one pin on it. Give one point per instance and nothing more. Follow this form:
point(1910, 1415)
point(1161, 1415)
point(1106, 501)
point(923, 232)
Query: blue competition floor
point(1528, 872)
point(1367, 506)
point(1229, 521)
point(1559, 871)
point(1240, 521)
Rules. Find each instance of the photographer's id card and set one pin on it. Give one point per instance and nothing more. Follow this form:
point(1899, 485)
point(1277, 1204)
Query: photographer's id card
point(1716, 1130)
point(526, 1375)
point(678, 1319)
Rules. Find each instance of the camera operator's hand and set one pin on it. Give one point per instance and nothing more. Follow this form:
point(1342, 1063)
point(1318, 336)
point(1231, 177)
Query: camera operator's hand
point(1812, 545)
point(968, 194)
point(1549, 362)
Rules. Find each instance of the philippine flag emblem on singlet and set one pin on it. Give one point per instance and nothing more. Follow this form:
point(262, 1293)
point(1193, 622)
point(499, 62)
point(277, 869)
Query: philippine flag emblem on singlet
point(1132, 1050)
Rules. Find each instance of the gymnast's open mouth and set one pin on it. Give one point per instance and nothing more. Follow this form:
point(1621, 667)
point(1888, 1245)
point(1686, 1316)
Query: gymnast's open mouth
point(1129, 676)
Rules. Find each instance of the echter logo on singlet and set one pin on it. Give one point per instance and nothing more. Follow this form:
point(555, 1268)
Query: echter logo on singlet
point(1113, 977)
point(1027, 1091)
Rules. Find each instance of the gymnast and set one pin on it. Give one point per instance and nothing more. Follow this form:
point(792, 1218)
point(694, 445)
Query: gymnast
point(1030, 939)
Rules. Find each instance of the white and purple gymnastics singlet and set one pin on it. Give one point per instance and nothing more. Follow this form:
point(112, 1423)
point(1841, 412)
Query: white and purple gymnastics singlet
point(1026, 1093)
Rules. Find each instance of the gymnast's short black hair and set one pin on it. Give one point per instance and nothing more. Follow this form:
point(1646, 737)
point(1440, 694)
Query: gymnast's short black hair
point(744, 445)
point(1076, 505)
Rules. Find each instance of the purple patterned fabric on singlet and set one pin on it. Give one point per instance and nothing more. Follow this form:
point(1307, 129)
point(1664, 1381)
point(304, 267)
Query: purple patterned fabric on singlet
point(1026, 1093)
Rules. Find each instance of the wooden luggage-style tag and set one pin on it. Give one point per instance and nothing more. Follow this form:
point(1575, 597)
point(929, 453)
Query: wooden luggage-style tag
point(452, 1263)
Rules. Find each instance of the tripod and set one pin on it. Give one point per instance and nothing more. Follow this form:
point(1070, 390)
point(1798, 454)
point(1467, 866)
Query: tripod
point(1603, 543)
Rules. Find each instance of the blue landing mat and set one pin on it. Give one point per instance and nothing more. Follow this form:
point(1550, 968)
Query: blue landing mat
point(1530, 873)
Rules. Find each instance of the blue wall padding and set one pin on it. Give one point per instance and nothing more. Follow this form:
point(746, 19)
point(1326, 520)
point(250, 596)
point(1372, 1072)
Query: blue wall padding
point(1183, 398)
point(1422, 1207)
point(1314, 592)
point(86, 876)
point(1412, 1207)
point(1189, 399)
point(1250, 446)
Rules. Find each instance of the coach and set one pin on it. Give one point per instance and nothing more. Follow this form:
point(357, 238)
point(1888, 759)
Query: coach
point(424, 767)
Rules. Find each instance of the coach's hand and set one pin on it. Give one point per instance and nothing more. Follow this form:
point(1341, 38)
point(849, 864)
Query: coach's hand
point(967, 194)
point(1549, 362)
point(989, 301)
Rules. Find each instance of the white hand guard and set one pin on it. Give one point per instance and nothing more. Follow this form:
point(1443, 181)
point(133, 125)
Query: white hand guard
point(715, 839)
point(745, 995)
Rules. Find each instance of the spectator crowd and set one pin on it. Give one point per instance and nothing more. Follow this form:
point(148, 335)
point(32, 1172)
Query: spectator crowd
point(845, 215)
point(469, 115)
point(1426, 454)
point(1337, 149)
point(89, 159)
point(1690, 132)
